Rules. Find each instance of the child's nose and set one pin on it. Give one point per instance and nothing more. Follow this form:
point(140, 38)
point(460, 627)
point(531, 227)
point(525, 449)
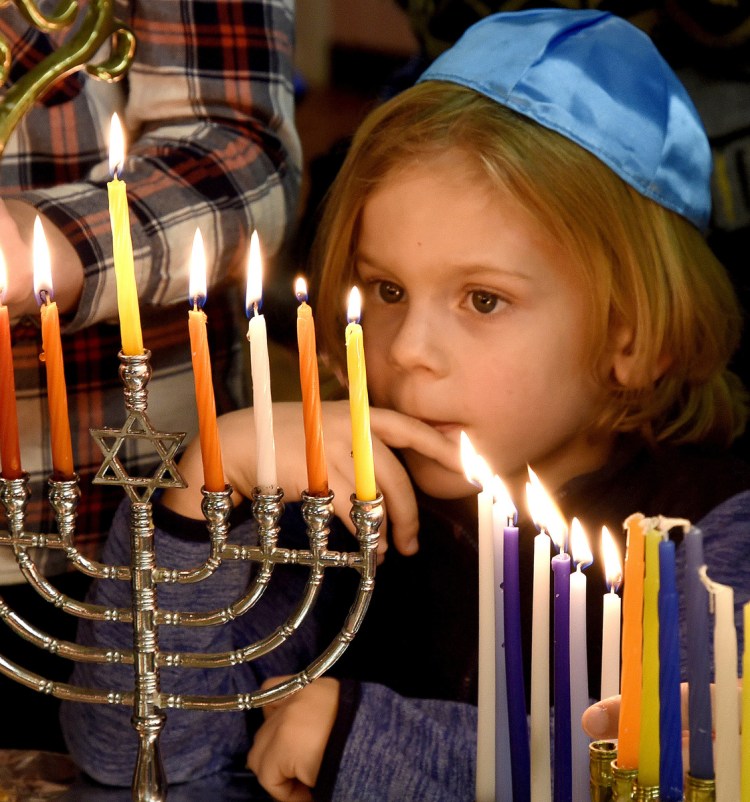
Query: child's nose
point(419, 343)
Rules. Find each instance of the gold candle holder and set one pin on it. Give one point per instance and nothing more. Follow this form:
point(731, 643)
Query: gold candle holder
point(646, 792)
point(602, 755)
point(623, 783)
point(699, 790)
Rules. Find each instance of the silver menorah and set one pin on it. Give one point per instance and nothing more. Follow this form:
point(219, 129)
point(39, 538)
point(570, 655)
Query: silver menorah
point(147, 701)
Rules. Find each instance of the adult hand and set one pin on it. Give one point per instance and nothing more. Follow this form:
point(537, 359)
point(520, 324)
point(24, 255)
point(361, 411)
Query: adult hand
point(288, 748)
point(16, 238)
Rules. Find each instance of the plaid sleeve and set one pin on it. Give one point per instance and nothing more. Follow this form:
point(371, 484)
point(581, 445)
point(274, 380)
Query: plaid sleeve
point(208, 106)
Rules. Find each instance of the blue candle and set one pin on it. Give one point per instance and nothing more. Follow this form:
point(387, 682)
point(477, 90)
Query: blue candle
point(563, 788)
point(670, 721)
point(698, 655)
point(517, 723)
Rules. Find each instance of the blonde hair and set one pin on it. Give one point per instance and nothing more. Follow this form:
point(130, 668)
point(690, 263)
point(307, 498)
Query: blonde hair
point(644, 267)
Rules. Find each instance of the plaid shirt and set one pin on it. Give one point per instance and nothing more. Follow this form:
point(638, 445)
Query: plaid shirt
point(208, 106)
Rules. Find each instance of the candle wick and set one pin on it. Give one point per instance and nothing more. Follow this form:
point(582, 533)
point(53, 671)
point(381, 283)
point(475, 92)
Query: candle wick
point(44, 297)
point(255, 308)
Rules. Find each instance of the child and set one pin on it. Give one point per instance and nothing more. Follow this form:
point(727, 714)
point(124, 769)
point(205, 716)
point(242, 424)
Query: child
point(524, 225)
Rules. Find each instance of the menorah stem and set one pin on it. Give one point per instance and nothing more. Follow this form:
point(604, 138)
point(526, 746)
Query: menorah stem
point(149, 779)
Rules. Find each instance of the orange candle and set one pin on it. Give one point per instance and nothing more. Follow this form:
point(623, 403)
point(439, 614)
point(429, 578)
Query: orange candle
point(632, 645)
point(213, 470)
point(57, 397)
point(10, 451)
point(317, 472)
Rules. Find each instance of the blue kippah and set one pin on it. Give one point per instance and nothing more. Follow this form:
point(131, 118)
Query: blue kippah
point(599, 81)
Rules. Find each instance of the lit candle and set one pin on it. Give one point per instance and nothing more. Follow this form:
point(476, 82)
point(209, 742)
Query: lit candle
point(127, 294)
point(359, 405)
point(57, 396)
point(478, 473)
point(539, 734)
point(579, 667)
point(745, 741)
point(648, 752)
point(10, 451)
point(701, 750)
point(727, 721)
point(317, 473)
point(670, 720)
point(213, 471)
point(518, 726)
point(610, 679)
point(265, 448)
point(629, 727)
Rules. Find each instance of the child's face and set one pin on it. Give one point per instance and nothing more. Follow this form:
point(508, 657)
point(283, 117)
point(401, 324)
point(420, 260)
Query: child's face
point(474, 320)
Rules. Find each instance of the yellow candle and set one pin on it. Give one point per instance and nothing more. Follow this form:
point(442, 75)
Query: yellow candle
point(632, 646)
point(57, 398)
point(213, 470)
point(745, 744)
point(364, 469)
point(317, 472)
point(648, 755)
point(127, 294)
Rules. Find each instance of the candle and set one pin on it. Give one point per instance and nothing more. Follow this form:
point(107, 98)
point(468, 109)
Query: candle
point(648, 752)
point(727, 721)
point(57, 396)
point(541, 775)
point(632, 646)
point(10, 450)
point(317, 473)
point(213, 471)
point(265, 448)
point(701, 753)
point(610, 678)
point(562, 782)
point(478, 473)
point(127, 294)
point(579, 668)
point(359, 405)
point(670, 720)
point(518, 727)
point(745, 741)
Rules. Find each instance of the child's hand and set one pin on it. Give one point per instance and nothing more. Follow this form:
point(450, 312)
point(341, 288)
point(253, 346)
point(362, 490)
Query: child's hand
point(288, 748)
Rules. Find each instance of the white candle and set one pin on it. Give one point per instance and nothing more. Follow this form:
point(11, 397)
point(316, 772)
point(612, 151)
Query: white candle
point(611, 616)
point(727, 719)
point(579, 669)
point(261, 374)
point(541, 770)
point(477, 471)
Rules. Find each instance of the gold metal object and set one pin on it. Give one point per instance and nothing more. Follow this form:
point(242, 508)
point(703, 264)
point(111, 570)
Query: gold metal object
point(601, 756)
point(698, 790)
point(623, 783)
point(76, 52)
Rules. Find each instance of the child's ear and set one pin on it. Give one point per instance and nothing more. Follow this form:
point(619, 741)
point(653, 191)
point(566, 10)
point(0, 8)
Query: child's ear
point(629, 369)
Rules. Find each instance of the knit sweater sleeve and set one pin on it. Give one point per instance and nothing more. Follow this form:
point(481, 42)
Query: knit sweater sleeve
point(400, 748)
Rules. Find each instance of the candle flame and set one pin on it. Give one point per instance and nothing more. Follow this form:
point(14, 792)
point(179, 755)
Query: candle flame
point(580, 550)
point(254, 294)
point(197, 287)
point(42, 263)
point(501, 497)
point(3, 276)
point(300, 289)
point(544, 511)
point(354, 309)
point(612, 561)
point(475, 467)
point(116, 147)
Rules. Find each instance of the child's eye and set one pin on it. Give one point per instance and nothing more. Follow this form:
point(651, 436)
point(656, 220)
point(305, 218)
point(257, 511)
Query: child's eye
point(483, 301)
point(389, 292)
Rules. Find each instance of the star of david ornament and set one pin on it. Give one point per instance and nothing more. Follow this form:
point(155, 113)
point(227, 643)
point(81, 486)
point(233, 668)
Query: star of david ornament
point(112, 472)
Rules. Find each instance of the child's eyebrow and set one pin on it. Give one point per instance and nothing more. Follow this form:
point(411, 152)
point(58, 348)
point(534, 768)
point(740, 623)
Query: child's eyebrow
point(466, 268)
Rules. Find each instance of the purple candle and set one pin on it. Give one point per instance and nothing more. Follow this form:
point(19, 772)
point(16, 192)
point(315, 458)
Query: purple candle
point(563, 789)
point(670, 720)
point(517, 723)
point(698, 666)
